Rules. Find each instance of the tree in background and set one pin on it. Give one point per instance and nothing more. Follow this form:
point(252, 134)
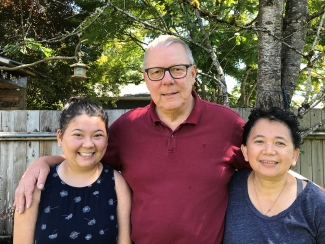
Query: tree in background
point(273, 49)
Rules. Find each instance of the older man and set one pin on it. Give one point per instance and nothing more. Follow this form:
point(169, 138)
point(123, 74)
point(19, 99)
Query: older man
point(177, 154)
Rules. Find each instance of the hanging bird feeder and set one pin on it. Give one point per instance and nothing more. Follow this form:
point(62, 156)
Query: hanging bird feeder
point(79, 70)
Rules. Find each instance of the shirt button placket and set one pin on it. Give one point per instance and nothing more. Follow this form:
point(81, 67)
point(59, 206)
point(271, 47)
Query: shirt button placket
point(171, 143)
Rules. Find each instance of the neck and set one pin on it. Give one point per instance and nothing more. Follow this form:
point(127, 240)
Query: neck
point(267, 186)
point(173, 118)
point(79, 177)
point(267, 195)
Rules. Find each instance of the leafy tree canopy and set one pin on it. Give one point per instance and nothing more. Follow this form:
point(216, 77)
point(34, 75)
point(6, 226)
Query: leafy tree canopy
point(117, 33)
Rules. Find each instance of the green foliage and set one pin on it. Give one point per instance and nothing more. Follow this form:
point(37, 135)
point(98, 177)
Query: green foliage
point(116, 43)
point(29, 44)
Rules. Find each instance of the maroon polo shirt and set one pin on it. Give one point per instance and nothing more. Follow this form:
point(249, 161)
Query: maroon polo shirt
point(179, 178)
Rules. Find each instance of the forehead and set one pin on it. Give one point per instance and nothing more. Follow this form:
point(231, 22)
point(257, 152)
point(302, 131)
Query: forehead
point(265, 127)
point(165, 56)
point(86, 120)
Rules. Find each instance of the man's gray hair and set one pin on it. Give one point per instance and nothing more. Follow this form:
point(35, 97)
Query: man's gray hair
point(164, 41)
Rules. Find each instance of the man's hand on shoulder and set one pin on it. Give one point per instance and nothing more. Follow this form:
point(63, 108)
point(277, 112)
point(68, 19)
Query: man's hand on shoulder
point(35, 174)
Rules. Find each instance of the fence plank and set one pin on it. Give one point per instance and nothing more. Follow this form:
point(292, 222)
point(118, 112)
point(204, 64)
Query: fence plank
point(6, 189)
point(32, 151)
point(49, 121)
point(7, 121)
point(46, 148)
point(306, 160)
point(315, 116)
point(322, 128)
point(33, 121)
point(115, 114)
point(305, 122)
point(317, 162)
point(20, 119)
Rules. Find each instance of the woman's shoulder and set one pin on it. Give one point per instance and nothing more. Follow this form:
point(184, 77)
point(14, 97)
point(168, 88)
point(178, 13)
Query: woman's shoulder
point(53, 174)
point(242, 174)
point(239, 178)
point(313, 198)
point(107, 171)
point(314, 191)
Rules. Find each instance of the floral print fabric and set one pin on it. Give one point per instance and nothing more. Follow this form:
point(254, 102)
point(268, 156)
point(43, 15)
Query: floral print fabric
point(77, 215)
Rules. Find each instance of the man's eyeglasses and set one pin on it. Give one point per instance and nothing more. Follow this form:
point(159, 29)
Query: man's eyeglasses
point(177, 72)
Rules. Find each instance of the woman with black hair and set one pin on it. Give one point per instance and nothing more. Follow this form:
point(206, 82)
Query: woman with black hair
point(83, 201)
point(266, 203)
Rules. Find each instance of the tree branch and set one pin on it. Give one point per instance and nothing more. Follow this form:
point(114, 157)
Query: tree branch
point(312, 51)
point(305, 107)
point(146, 24)
point(23, 66)
point(214, 58)
point(317, 14)
point(311, 129)
point(250, 94)
point(83, 25)
point(243, 84)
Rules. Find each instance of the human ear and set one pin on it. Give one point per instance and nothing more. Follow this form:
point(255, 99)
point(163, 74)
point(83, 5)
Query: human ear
point(59, 137)
point(146, 79)
point(295, 157)
point(244, 151)
point(193, 73)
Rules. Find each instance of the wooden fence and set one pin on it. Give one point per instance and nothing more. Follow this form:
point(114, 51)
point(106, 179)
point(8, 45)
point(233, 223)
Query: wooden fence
point(26, 135)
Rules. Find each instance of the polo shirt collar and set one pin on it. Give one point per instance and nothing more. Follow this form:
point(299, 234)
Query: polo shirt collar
point(193, 118)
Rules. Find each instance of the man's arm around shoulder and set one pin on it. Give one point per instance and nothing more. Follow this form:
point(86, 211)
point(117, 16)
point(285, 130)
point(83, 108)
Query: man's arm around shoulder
point(36, 173)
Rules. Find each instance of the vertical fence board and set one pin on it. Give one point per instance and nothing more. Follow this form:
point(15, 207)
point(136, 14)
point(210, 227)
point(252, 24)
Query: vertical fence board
point(19, 164)
point(56, 150)
point(317, 162)
point(33, 121)
point(7, 121)
point(323, 162)
point(246, 113)
point(46, 148)
point(305, 122)
point(6, 170)
point(322, 128)
point(20, 121)
point(315, 116)
point(114, 114)
point(306, 160)
point(48, 121)
point(32, 152)
point(3, 186)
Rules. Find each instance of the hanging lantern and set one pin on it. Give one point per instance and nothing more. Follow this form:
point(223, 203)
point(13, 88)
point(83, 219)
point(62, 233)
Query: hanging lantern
point(79, 70)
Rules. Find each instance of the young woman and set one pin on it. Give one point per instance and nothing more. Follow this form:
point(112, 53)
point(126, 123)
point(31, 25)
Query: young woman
point(266, 203)
point(83, 201)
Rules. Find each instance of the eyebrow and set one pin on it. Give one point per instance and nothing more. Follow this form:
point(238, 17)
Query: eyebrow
point(82, 130)
point(278, 137)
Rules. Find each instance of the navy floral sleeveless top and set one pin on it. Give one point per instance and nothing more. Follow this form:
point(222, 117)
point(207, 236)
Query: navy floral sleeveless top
point(77, 215)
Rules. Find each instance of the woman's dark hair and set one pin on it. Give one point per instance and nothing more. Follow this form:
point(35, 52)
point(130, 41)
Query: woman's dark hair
point(76, 106)
point(274, 114)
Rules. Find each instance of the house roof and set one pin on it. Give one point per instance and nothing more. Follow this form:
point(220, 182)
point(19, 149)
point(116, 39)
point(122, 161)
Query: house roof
point(11, 63)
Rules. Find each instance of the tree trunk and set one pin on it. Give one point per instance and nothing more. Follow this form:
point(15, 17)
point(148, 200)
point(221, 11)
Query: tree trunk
point(294, 34)
point(269, 54)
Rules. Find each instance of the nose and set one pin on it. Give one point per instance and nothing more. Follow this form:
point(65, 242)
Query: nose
point(88, 142)
point(269, 148)
point(168, 79)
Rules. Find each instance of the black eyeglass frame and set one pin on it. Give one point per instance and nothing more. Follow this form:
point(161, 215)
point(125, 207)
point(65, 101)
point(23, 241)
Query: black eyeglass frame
point(168, 69)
